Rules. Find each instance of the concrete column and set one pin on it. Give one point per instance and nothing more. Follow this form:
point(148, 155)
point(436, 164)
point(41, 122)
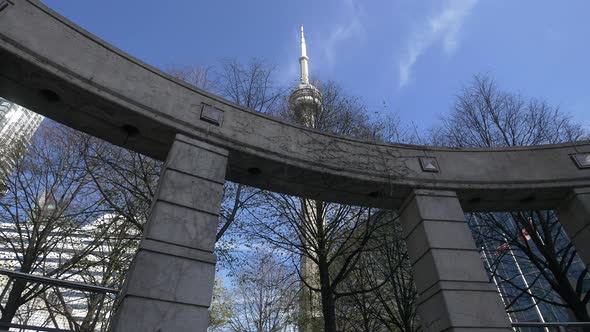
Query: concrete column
point(169, 285)
point(574, 216)
point(454, 292)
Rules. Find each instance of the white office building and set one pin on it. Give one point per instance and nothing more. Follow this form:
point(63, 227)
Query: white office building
point(58, 306)
point(17, 127)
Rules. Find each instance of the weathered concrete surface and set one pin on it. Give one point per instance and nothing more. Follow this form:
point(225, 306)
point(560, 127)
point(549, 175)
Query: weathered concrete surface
point(454, 293)
point(52, 66)
point(169, 285)
point(574, 216)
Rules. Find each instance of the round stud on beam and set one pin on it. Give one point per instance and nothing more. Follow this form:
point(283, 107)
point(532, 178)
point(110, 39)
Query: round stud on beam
point(130, 130)
point(254, 171)
point(49, 95)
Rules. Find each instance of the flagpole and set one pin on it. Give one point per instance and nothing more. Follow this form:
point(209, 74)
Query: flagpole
point(528, 289)
point(489, 265)
point(487, 261)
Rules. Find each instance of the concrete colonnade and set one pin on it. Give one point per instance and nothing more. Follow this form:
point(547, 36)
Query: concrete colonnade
point(169, 286)
point(50, 65)
point(574, 216)
point(454, 291)
point(170, 283)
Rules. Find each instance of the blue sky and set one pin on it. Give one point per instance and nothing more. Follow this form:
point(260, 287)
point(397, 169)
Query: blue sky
point(414, 56)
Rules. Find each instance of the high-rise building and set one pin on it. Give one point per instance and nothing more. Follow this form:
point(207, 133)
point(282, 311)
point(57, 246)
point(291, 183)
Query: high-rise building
point(518, 281)
point(17, 127)
point(57, 307)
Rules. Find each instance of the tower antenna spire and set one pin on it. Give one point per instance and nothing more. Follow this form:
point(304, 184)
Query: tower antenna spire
point(305, 100)
point(303, 60)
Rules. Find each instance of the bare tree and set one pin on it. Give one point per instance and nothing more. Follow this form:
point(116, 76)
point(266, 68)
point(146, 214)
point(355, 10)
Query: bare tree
point(125, 179)
point(265, 293)
point(199, 76)
point(109, 264)
point(486, 116)
point(128, 180)
point(105, 266)
point(250, 85)
point(529, 252)
point(386, 269)
point(332, 236)
point(113, 181)
point(346, 115)
point(49, 200)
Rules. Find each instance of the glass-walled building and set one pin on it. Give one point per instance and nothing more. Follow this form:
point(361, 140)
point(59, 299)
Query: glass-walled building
point(17, 127)
point(525, 291)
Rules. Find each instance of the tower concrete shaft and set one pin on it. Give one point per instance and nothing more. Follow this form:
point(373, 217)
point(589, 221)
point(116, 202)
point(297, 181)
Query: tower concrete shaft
point(306, 103)
point(310, 304)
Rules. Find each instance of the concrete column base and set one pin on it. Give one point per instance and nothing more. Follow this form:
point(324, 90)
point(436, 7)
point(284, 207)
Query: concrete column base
point(574, 216)
point(170, 282)
point(454, 293)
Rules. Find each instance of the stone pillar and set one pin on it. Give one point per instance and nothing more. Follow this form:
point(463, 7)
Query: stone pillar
point(454, 292)
point(170, 282)
point(574, 216)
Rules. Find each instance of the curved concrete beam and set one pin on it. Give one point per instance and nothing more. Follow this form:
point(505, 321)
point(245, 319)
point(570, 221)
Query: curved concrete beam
point(56, 68)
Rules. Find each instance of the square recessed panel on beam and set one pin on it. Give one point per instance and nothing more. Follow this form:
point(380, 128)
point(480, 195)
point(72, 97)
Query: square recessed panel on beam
point(212, 115)
point(4, 4)
point(429, 164)
point(582, 160)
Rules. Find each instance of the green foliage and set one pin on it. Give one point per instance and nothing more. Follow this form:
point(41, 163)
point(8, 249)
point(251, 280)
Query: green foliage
point(221, 310)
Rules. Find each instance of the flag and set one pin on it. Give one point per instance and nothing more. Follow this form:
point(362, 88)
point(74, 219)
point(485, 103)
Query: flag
point(501, 248)
point(524, 235)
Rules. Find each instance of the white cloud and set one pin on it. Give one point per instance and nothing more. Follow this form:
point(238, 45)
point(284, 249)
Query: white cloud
point(288, 73)
point(352, 27)
point(322, 47)
point(443, 27)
